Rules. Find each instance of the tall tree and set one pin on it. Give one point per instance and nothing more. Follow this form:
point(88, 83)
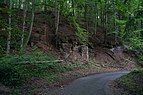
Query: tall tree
point(10, 28)
point(32, 21)
point(24, 22)
point(57, 19)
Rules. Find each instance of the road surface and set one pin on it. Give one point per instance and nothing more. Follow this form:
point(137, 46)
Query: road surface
point(93, 85)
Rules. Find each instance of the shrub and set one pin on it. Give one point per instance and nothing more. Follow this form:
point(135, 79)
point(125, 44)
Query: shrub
point(9, 75)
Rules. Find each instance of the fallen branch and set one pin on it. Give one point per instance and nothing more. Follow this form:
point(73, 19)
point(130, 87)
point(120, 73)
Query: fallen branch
point(40, 62)
point(110, 55)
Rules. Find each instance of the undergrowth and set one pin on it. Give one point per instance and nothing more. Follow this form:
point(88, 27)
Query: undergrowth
point(132, 83)
point(14, 70)
point(17, 70)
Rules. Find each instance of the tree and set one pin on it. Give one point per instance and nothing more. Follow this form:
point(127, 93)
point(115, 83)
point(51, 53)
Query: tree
point(57, 20)
point(121, 18)
point(32, 21)
point(24, 23)
point(10, 28)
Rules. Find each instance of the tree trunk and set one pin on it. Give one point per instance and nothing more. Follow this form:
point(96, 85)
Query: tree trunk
point(85, 53)
point(95, 21)
point(9, 32)
point(73, 12)
point(57, 20)
point(24, 22)
point(31, 26)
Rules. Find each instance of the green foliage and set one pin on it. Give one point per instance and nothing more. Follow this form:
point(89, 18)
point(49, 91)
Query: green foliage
point(81, 33)
point(9, 75)
point(50, 70)
point(3, 34)
point(121, 17)
point(37, 55)
point(129, 25)
point(4, 29)
point(13, 72)
point(132, 83)
point(2, 52)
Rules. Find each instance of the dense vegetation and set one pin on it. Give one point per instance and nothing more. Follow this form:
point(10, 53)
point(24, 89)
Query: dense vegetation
point(122, 21)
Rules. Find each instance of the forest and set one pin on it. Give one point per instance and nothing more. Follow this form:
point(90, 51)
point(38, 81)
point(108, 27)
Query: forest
point(50, 43)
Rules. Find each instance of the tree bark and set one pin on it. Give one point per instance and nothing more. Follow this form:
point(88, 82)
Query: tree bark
point(31, 26)
point(57, 20)
point(24, 22)
point(10, 28)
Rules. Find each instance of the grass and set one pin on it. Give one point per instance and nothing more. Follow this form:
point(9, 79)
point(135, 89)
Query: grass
point(51, 71)
point(132, 83)
point(12, 67)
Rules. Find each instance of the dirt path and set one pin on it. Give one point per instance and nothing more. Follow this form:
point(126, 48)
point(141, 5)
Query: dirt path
point(93, 85)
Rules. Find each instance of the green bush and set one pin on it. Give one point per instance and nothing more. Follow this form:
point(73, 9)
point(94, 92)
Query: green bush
point(13, 66)
point(9, 75)
point(13, 71)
